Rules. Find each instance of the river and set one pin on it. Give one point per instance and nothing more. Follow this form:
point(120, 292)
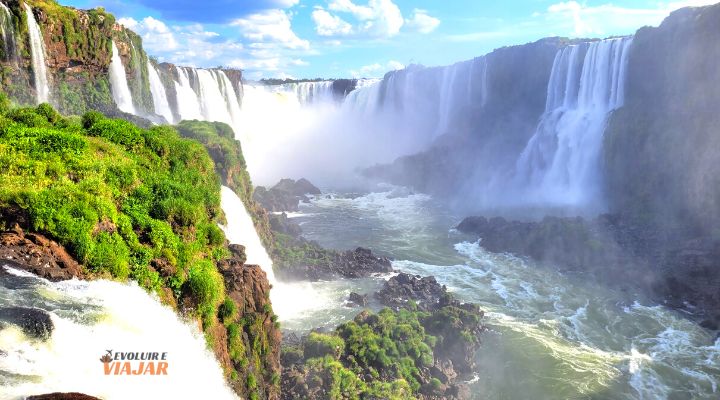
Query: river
point(550, 336)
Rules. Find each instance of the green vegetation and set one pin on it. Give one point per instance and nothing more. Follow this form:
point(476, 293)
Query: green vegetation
point(387, 355)
point(290, 252)
point(132, 203)
point(116, 196)
point(219, 140)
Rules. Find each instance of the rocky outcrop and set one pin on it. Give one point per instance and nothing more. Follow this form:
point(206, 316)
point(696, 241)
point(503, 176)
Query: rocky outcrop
point(357, 299)
point(286, 195)
point(300, 259)
point(402, 290)
point(439, 344)
point(37, 254)
point(259, 336)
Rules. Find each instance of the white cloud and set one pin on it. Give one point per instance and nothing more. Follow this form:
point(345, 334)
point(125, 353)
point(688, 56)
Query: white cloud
point(578, 19)
point(271, 26)
point(377, 19)
point(376, 70)
point(422, 22)
point(327, 24)
point(155, 34)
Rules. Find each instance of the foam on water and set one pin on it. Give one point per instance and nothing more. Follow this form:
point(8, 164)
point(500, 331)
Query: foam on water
point(90, 318)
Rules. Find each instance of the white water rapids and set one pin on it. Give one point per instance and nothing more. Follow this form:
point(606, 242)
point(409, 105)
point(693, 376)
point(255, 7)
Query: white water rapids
point(90, 318)
point(551, 336)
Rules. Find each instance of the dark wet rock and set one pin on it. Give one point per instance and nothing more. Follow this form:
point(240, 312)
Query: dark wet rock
point(34, 322)
point(402, 289)
point(300, 259)
point(286, 195)
point(238, 252)
point(37, 254)
point(62, 396)
point(359, 300)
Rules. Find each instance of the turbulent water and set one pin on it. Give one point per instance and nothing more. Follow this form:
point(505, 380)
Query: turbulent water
point(560, 164)
point(37, 52)
point(119, 84)
point(91, 318)
point(551, 336)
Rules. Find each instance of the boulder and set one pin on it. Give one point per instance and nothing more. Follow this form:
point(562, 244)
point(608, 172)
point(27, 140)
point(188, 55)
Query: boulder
point(34, 322)
point(359, 300)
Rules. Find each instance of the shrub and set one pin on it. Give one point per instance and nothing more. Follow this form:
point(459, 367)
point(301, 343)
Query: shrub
point(117, 131)
point(207, 287)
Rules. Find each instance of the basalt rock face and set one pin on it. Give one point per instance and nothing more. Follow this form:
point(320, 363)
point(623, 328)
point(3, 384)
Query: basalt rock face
point(258, 338)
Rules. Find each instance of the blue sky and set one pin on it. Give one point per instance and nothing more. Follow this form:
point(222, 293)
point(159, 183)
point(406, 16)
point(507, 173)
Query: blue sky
point(363, 38)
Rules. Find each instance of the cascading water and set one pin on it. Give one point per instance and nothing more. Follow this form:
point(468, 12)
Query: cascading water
point(118, 81)
point(7, 33)
point(187, 100)
point(313, 93)
point(37, 50)
point(560, 164)
point(290, 300)
point(157, 89)
point(213, 102)
point(90, 318)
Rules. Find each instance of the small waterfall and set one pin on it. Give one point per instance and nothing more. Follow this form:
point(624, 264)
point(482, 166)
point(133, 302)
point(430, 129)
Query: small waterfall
point(118, 81)
point(90, 318)
point(560, 164)
point(7, 33)
point(157, 89)
point(37, 49)
point(241, 230)
point(289, 300)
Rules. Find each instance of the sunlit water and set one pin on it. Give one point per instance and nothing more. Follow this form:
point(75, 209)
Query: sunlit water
point(550, 337)
point(91, 318)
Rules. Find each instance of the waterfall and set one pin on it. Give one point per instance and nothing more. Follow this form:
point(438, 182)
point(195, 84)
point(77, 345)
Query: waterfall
point(90, 318)
point(241, 230)
point(560, 164)
point(157, 89)
point(187, 100)
point(312, 93)
point(7, 33)
point(37, 50)
point(119, 84)
point(289, 300)
point(213, 103)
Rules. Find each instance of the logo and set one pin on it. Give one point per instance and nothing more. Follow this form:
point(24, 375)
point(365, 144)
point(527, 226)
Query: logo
point(134, 363)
